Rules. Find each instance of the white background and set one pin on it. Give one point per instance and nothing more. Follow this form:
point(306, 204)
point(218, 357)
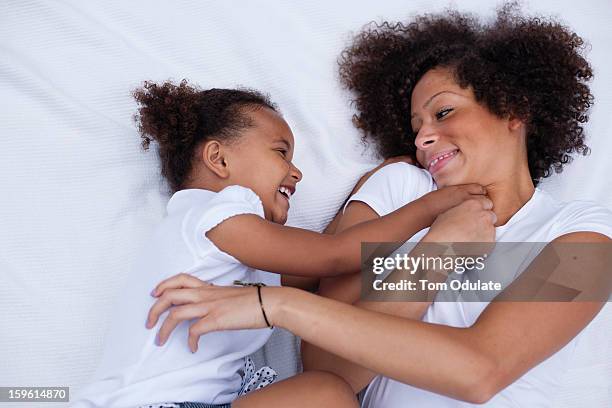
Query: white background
point(79, 196)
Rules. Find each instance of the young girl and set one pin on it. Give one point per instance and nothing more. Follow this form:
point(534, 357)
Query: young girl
point(227, 156)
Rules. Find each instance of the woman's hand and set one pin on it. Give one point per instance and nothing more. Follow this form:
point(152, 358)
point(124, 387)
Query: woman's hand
point(215, 307)
point(471, 221)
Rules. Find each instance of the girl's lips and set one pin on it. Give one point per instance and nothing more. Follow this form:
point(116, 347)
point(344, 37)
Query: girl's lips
point(442, 161)
point(284, 196)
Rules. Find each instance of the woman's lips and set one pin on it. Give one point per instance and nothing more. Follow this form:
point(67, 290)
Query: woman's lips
point(441, 161)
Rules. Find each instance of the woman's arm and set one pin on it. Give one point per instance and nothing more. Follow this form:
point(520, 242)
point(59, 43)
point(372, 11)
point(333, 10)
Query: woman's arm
point(471, 364)
point(459, 224)
point(264, 245)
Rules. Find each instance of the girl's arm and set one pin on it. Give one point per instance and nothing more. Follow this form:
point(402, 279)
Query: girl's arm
point(311, 283)
point(271, 247)
point(470, 364)
point(336, 224)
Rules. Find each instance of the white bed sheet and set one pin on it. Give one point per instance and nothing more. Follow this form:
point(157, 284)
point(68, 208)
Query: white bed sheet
point(79, 196)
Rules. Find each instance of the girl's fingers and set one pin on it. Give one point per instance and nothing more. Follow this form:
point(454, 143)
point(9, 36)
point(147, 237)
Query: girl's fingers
point(468, 190)
point(476, 189)
point(180, 314)
point(182, 280)
point(171, 297)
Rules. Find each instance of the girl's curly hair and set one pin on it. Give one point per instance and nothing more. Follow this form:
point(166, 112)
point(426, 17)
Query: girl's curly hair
point(530, 68)
point(180, 117)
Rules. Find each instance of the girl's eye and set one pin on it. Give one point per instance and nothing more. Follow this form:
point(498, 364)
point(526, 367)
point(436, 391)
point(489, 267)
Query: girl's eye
point(443, 112)
point(283, 152)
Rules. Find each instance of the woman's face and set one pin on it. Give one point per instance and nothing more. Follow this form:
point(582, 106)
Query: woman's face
point(458, 140)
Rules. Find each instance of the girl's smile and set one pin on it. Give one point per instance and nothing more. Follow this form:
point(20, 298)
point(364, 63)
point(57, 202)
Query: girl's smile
point(261, 160)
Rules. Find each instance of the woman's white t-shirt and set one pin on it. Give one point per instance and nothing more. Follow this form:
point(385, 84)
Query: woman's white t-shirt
point(541, 219)
point(134, 370)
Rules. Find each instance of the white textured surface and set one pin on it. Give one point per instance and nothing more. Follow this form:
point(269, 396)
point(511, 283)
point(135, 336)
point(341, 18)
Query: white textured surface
point(78, 195)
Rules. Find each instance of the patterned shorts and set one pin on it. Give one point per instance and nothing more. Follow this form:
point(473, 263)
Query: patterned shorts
point(251, 380)
point(187, 405)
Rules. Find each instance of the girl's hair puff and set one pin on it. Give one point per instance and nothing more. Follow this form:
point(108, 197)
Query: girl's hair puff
point(181, 117)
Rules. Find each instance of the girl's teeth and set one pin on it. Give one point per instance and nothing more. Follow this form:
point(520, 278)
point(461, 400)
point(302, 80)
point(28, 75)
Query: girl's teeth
point(285, 191)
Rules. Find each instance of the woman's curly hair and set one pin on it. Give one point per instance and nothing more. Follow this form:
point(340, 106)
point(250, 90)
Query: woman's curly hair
point(180, 117)
point(530, 68)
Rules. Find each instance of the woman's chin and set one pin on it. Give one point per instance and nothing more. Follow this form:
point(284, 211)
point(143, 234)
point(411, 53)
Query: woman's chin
point(445, 179)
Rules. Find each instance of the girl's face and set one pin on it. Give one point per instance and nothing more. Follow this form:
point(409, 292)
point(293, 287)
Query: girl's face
point(458, 140)
point(261, 161)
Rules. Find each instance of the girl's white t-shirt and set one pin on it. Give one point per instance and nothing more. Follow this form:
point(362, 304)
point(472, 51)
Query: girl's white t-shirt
point(541, 219)
point(134, 370)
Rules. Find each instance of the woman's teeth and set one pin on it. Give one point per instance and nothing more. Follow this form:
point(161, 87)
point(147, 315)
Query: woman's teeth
point(285, 191)
point(444, 156)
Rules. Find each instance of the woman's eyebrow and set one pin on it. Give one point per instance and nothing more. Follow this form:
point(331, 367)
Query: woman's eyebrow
point(432, 98)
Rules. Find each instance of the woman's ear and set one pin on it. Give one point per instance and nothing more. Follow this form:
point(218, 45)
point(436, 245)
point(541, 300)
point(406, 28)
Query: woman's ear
point(214, 157)
point(515, 123)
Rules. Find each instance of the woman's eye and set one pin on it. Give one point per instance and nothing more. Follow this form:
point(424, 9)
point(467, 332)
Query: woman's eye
point(283, 152)
point(443, 112)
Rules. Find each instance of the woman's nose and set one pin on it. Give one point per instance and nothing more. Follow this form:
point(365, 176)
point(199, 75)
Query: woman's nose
point(426, 138)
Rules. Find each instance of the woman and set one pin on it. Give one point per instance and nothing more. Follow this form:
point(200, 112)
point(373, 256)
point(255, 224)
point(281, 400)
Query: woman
point(500, 105)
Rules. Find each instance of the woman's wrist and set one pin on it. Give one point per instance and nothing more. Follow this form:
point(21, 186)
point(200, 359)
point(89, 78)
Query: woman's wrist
point(275, 301)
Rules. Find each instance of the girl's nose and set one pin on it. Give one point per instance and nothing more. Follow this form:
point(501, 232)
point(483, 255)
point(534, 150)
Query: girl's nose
point(296, 173)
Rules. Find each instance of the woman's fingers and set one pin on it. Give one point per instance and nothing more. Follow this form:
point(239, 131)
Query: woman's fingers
point(170, 297)
point(199, 328)
point(234, 308)
point(180, 314)
point(182, 280)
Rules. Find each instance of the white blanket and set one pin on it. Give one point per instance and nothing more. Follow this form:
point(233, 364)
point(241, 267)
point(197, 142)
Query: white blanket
point(79, 196)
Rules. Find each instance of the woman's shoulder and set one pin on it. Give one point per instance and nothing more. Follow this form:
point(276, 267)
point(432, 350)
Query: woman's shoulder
point(393, 186)
point(403, 170)
point(403, 177)
point(579, 216)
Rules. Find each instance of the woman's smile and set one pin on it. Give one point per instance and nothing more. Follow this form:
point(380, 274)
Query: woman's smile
point(440, 160)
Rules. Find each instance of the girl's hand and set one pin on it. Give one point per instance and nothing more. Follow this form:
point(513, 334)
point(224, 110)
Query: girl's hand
point(215, 307)
point(471, 221)
point(445, 198)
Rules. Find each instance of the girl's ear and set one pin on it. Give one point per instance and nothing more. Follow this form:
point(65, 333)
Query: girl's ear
point(214, 157)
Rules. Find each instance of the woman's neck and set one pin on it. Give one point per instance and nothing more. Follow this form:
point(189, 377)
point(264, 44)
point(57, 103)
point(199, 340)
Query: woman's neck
point(510, 195)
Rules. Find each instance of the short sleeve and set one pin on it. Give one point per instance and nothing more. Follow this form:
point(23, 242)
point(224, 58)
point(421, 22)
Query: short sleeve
point(394, 186)
point(229, 202)
point(584, 216)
